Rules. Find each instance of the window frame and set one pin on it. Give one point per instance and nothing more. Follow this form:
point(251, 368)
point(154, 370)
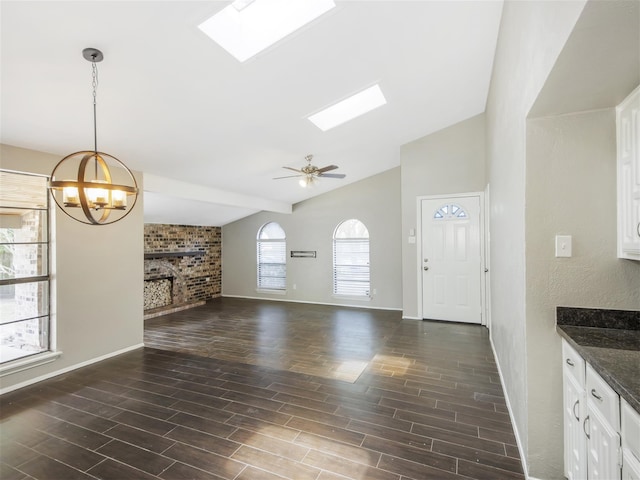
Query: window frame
point(44, 314)
point(340, 275)
point(261, 284)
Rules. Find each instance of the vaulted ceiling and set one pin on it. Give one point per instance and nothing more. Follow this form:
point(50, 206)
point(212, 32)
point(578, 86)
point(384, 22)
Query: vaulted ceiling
point(209, 132)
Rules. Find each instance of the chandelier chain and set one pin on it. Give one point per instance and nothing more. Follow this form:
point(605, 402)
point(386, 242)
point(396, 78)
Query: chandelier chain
point(94, 85)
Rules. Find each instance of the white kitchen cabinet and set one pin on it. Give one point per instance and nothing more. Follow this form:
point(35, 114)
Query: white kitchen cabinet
point(601, 426)
point(630, 432)
point(575, 441)
point(628, 147)
point(592, 423)
point(630, 466)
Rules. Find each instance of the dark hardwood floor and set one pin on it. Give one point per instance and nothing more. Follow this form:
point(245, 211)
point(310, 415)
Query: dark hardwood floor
point(253, 390)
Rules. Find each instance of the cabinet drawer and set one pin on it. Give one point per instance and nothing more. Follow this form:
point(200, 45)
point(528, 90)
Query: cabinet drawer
point(572, 363)
point(630, 429)
point(602, 397)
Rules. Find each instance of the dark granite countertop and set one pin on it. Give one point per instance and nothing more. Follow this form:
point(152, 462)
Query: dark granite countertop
point(610, 346)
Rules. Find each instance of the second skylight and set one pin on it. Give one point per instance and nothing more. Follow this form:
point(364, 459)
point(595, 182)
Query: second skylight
point(349, 108)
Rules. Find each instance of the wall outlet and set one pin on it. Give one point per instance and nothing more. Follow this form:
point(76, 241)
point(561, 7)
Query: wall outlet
point(295, 286)
point(375, 291)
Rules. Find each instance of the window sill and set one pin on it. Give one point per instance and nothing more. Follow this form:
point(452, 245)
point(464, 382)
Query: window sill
point(32, 361)
point(361, 298)
point(276, 292)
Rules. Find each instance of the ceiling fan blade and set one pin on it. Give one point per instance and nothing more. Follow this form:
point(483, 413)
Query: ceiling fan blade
point(288, 176)
point(294, 169)
point(331, 175)
point(328, 168)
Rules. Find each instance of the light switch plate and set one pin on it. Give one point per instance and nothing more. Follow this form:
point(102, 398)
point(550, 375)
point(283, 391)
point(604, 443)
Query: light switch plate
point(563, 245)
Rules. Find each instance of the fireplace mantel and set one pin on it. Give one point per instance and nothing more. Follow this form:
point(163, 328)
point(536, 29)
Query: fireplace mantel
point(193, 253)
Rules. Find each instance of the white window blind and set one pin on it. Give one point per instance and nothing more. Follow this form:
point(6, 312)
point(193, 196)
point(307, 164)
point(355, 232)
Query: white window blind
point(351, 275)
point(272, 257)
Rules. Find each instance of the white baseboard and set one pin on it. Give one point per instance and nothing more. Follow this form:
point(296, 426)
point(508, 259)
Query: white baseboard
point(368, 307)
point(513, 423)
point(68, 369)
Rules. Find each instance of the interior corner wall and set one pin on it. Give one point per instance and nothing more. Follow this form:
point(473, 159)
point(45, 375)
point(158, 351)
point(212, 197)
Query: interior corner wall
point(531, 36)
point(97, 280)
point(375, 201)
point(571, 190)
point(448, 161)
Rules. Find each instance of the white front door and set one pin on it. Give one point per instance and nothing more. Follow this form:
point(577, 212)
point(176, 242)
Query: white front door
point(451, 259)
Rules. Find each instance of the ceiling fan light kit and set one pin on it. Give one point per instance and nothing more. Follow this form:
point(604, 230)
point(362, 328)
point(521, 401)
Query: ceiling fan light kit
point(97, 186)
point(311, 174)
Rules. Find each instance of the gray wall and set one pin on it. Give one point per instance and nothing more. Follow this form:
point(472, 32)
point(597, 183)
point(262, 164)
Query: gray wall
point(97, 280)
point(449, 161)
point(531, 36)
point(553, 175)
point(571, 190)
point(375, 201)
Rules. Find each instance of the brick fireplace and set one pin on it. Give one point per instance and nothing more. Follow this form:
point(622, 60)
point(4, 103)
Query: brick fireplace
point(182, 267)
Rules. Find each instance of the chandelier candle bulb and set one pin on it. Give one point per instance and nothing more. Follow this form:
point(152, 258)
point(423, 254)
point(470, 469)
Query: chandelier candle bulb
point(70, 197)
point(119, 199)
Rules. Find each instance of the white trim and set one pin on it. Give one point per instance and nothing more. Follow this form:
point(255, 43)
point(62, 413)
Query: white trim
point(483, 241)
point(511, 417)
point(68, 369)
point(411, 318)
point(487, 257)
point(32, 361)
point(271, 291)
point(398, 309)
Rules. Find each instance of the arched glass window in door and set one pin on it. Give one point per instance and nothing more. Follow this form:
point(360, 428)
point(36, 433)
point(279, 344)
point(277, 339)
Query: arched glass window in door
point(450, 211)
point(351, 272)
point(272, 257)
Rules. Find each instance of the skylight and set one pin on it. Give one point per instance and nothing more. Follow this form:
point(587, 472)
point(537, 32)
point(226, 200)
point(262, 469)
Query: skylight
point(348, 109)
point(246, 27)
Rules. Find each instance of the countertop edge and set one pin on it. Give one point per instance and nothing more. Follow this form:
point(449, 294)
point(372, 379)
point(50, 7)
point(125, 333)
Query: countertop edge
point(606, 375)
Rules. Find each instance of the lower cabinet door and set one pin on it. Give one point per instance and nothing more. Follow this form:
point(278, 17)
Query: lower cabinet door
point(575, 441)
point(603, 446)
point(630, 466)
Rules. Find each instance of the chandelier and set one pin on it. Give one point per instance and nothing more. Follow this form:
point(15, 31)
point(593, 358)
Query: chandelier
point(98, 188)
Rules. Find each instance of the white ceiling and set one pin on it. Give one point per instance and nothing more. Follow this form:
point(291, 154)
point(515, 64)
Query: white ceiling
point(209, 132)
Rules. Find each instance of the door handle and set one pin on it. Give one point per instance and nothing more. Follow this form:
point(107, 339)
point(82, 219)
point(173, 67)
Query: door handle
point(574, 409)
point(426, 268)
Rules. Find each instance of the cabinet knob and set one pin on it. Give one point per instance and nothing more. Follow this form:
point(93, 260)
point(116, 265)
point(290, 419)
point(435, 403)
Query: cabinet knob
point(426, 268)
point(570, 362)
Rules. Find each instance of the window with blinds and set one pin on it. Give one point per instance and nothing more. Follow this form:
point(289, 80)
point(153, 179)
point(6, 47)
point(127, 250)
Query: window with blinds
point(351, 259)
point(272, 257)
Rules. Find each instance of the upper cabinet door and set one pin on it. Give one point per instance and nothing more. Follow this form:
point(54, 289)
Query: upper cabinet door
point(628, 145)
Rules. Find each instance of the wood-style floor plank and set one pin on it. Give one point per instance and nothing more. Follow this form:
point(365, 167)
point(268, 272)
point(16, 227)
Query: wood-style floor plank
point(248, 390)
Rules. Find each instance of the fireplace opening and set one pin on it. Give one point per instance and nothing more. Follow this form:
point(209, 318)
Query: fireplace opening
point(158, 292)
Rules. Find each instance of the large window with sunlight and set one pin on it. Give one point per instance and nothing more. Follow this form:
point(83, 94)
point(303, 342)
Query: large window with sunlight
point(272, 257)
point(24, 265)
point(351, 259)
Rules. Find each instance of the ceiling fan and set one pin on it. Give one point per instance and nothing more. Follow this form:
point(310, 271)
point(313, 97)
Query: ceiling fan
point(311, 173)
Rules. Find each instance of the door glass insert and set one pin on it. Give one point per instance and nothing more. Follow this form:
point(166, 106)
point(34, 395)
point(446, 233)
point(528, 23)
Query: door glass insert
point(450, 211)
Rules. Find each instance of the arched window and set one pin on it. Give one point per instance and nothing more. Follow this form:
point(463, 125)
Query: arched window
point(450, 211)
point(351, 259)
point(272, 257)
